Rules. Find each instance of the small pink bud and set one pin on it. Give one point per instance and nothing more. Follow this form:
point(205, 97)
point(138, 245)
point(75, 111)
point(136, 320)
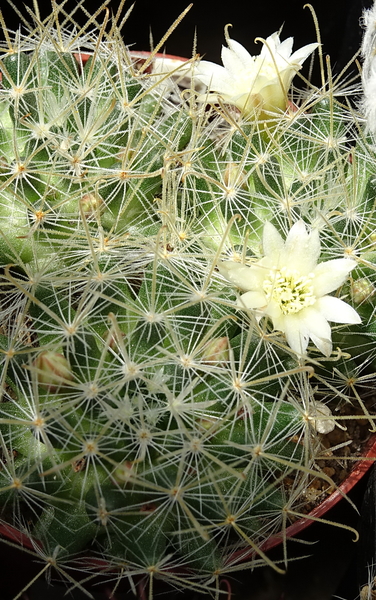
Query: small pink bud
point(232, 176)
point(216, 352)
point(53, 370)
point(124, 472)
point(91, 204)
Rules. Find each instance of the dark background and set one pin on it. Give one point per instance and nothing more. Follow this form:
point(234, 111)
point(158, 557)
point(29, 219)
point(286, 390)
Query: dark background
point(336, 566)
point(338, 21)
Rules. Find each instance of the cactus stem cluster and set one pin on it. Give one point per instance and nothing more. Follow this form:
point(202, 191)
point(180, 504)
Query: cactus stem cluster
point(187, 306)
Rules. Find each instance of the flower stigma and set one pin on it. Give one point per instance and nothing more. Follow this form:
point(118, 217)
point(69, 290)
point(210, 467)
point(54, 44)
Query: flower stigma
point(290, 290)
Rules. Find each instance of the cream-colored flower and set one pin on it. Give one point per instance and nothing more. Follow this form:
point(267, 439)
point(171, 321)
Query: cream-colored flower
point(290, 287)
point(254, 83)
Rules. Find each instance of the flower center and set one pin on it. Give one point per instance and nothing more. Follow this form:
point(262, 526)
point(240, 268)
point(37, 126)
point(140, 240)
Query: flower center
point(290, 290)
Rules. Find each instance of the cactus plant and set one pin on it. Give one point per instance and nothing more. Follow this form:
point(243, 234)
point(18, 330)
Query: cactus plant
point(150, 413)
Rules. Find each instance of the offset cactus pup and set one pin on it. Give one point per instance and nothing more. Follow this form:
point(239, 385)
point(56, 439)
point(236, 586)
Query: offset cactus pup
point(187, 307)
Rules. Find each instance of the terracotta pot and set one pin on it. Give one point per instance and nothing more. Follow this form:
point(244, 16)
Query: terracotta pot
point(171, 60)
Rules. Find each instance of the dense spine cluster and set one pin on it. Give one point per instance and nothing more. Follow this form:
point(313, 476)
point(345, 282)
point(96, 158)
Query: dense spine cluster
point(145, 419)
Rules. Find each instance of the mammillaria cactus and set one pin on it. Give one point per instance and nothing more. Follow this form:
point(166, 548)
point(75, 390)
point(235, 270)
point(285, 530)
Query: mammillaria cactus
point(150, 415)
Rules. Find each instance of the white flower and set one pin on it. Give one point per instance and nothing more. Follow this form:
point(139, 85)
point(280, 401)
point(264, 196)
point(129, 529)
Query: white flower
point(290, 287)
point(254, 82)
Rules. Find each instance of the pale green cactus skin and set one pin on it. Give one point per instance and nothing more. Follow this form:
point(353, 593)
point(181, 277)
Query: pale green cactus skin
point(144, 419)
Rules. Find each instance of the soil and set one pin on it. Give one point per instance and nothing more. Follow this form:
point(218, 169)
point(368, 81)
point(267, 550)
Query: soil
point(340, 450)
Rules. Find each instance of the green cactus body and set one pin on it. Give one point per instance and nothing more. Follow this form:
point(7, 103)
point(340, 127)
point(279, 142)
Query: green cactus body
point(148, 417)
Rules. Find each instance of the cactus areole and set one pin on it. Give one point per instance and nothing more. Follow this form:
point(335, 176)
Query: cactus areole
point(187, 330)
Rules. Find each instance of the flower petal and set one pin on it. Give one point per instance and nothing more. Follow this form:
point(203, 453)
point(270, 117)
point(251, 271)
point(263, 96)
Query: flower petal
point(306, 324)
point(316, 322)
point(297, 334)
point(302, 249)
point(273, 310)
point(272, 241)
point(330, 275)
point(270, 48)
point(252, 300)
point(216, 78)
point(323, 344)
point(243, 56)
point(319, 329)
point(299, 56)
point(246, 278)
point(231, 62)
point(284, 49)
point(337, 310)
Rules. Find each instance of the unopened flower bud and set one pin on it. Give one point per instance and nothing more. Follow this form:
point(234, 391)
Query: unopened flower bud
point(362, 290)
point(91, 204)
point(234, 177)
point(111, 339)
point(216, 352)
point(124, 472)
point(53, 370)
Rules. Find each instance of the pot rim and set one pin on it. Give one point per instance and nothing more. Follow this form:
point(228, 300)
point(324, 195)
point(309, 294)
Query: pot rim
point(141, 54)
